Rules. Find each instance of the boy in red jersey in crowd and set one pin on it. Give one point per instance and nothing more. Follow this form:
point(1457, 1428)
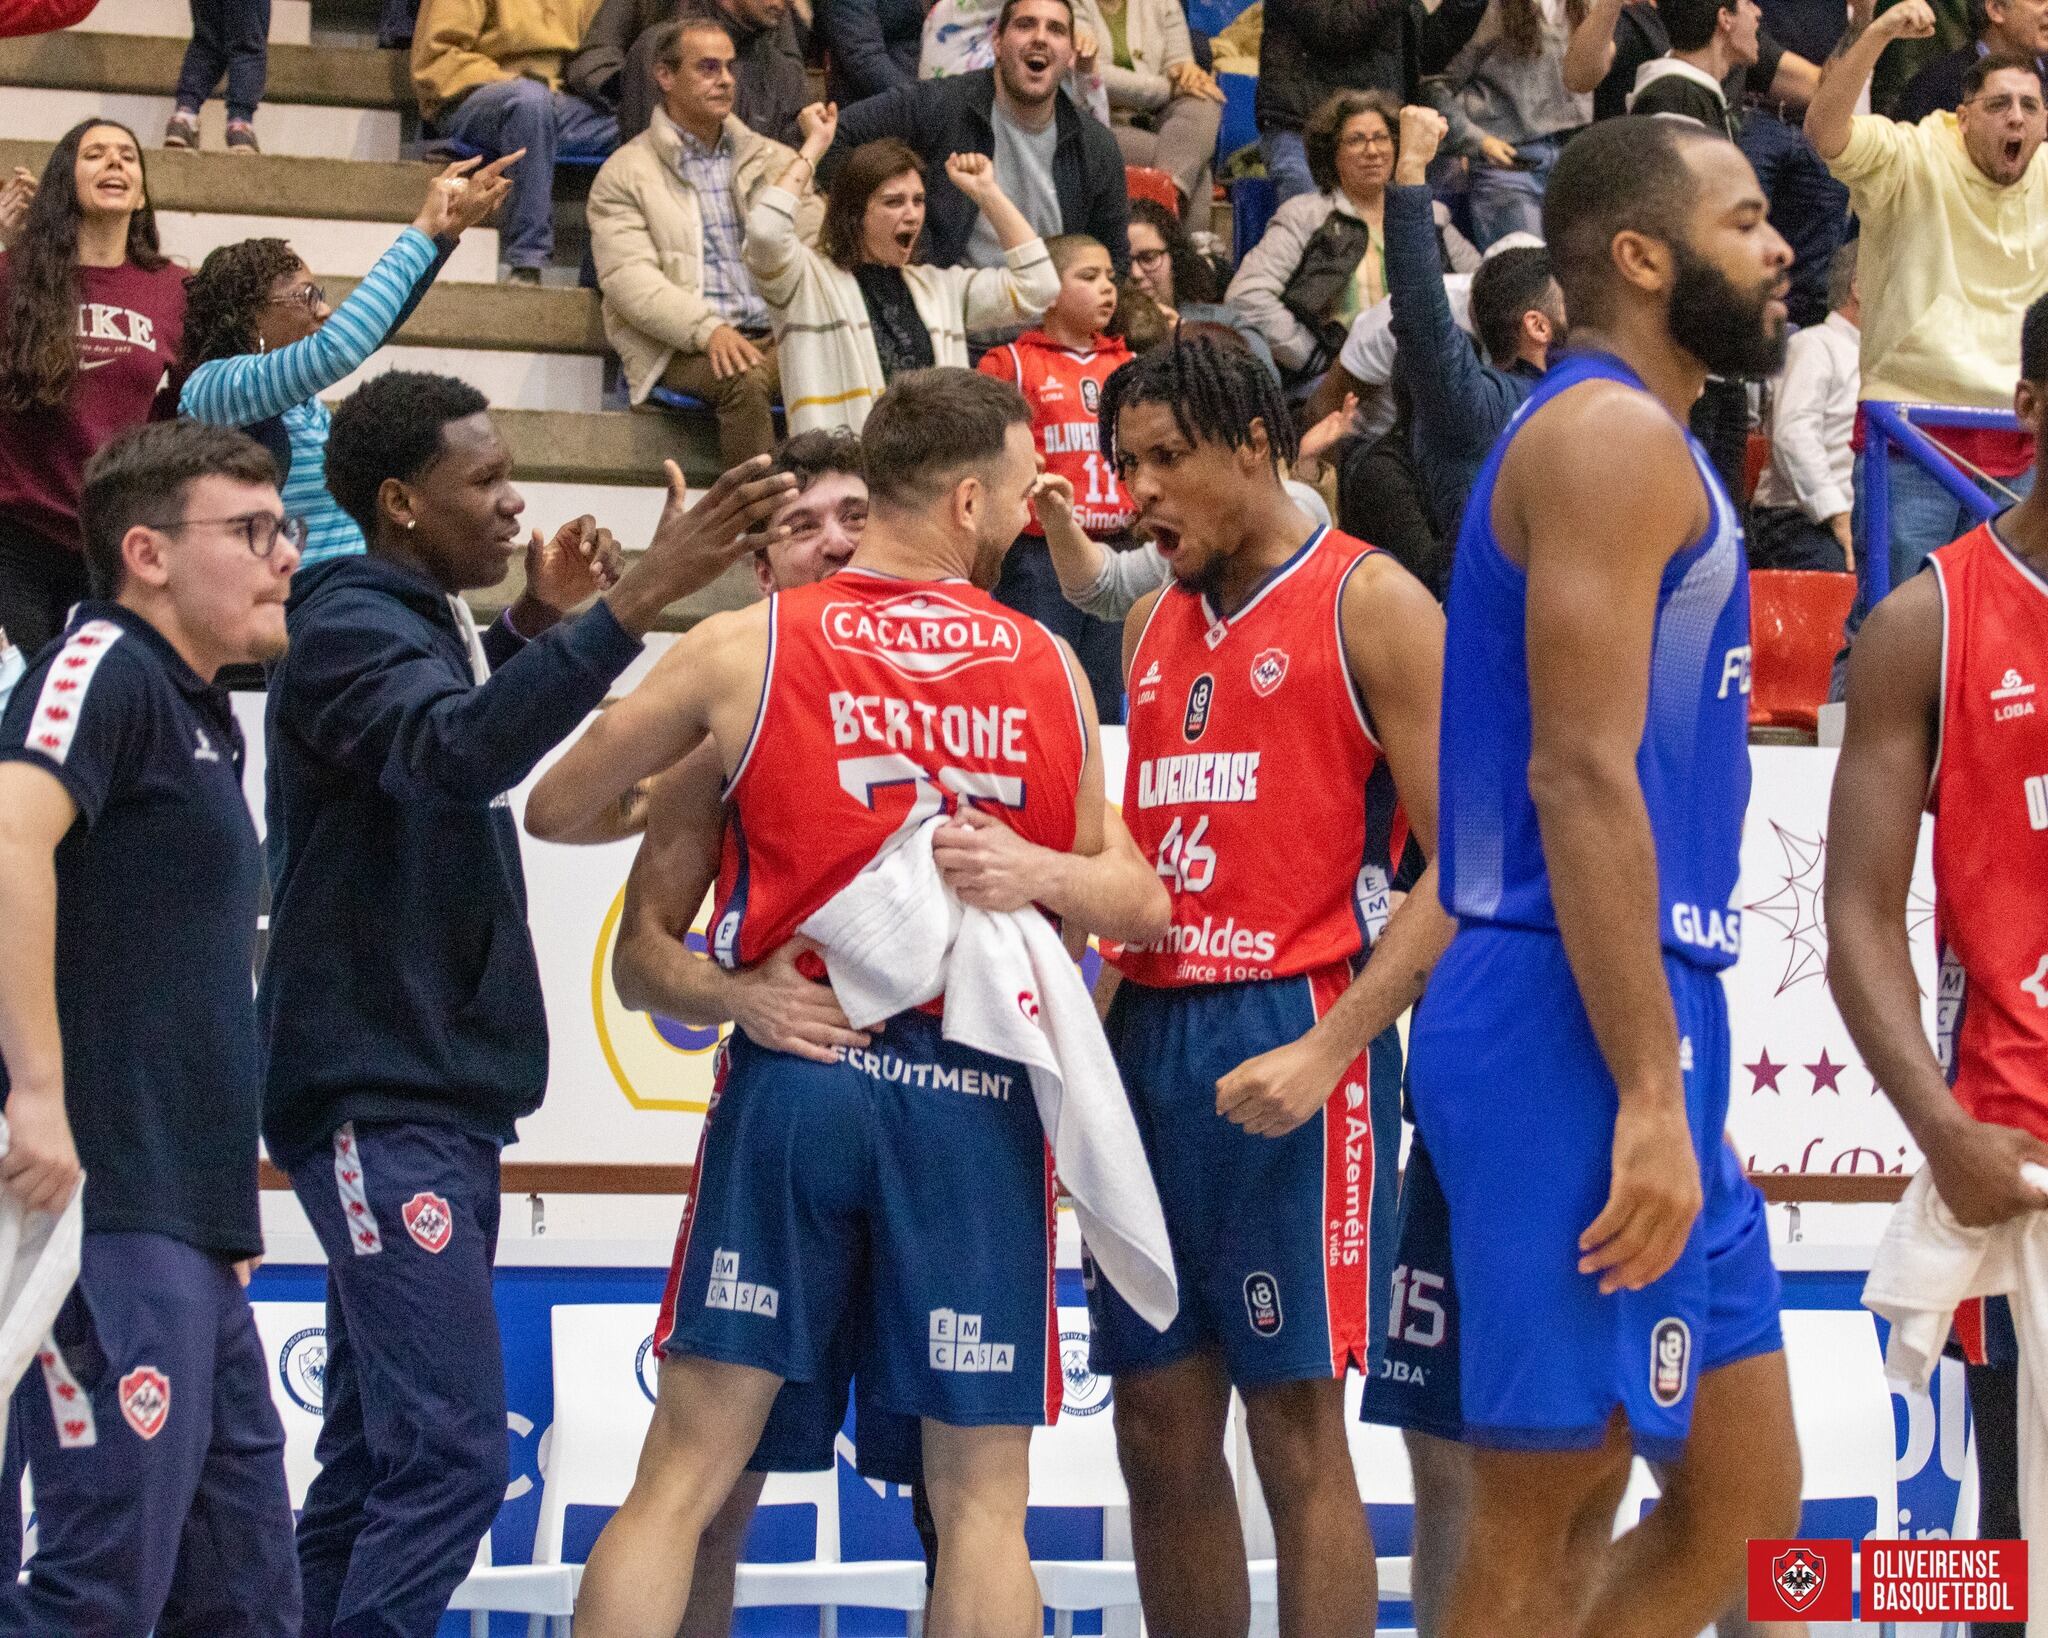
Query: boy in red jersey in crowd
point(1060, 368)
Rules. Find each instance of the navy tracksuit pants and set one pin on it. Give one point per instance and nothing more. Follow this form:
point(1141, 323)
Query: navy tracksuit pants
point(412, 1447)
point(158, 1457)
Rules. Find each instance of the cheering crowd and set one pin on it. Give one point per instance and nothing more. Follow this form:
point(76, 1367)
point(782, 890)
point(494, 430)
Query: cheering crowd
point(943, 344)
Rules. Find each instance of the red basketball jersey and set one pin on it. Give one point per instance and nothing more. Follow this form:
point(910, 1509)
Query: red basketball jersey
point(1254, 784)
point(1990, 804)
point(885, 701)
point(1064, 389)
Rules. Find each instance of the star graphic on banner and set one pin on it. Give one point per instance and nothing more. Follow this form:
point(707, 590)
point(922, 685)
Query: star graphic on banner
point(1765, 1073)
point(1795, 906)
point(1827, 1074)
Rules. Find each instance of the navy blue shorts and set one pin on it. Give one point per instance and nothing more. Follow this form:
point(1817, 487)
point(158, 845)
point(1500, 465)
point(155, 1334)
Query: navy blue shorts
point(1982, 1333)
point(1517, 1108)
point(1283, 1246)
point(905, 1191)
point(1414, 1381)
point(802, 1433)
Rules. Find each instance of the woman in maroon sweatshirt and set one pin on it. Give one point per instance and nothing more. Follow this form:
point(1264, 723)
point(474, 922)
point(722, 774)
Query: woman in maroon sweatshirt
point(90, 318)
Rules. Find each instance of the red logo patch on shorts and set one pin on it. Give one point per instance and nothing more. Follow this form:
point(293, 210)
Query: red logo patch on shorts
point(429, 1221)
point(146, 1400)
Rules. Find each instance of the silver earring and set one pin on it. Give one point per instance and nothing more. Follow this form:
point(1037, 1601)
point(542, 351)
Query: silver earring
point(412, 523)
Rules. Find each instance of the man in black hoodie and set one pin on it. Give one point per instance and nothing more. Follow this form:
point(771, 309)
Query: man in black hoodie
point(400, 998)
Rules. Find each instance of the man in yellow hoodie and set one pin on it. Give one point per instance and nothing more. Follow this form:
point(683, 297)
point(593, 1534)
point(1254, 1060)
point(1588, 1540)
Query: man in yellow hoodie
point(1954, 250)
point(489, 73)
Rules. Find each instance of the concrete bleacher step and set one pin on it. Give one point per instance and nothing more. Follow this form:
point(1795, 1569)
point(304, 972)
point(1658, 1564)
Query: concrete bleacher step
point(316, 76)
point(291, 21)
point(321, 102)
point(300, 132)
point(546, 320)
point(509, 379)
point(321, 205)
point(523, 349)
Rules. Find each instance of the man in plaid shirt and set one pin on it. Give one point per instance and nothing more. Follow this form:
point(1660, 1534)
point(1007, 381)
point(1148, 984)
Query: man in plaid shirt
point(666, 223)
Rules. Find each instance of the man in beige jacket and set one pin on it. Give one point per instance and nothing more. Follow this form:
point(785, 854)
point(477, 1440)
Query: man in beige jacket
point(667, 217)
point(489, 73)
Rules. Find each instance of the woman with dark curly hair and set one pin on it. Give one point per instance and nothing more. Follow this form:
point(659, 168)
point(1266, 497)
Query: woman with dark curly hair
point(261, 343)
point(1183, 282)
point(90, 315)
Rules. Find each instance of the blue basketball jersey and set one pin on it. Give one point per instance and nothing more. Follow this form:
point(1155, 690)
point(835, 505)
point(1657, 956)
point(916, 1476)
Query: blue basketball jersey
point(1694, 757)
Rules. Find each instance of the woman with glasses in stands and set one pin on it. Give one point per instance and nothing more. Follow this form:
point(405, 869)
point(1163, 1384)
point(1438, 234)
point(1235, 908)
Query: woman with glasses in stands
point(90, 316)
point(262, 344)
point(1323, 258)
point(1181, 281)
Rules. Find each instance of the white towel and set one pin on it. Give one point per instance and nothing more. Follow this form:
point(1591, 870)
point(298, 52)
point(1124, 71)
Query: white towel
point(1925, 1265)
point(38, 1267)
point(895, 937)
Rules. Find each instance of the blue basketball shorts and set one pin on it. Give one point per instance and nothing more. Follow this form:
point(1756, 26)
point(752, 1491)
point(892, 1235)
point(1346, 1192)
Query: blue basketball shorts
point(904, 1191)
point(1517, 1109)
point(1282, 1245)
point(802, 1431)
point(1414, 1381)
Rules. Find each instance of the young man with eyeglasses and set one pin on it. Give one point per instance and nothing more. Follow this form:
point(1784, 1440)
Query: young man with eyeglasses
point(1950, 210)
point(129, 875)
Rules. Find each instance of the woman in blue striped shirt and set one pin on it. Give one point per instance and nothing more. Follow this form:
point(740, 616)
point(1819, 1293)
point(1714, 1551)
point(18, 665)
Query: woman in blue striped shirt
point(261, 344)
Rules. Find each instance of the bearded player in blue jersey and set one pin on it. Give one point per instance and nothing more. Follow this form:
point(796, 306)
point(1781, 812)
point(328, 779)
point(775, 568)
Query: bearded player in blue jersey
point(1611, 1274)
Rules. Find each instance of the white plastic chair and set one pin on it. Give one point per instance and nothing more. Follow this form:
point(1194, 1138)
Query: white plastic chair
point(604, 1374)
point(872, 1584)
point(1842, 1414)
point(1379, 1466)
point(294, 1336)
point(1074, 1464)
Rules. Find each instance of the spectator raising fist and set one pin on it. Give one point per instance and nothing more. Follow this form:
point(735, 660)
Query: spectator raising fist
point(819, 124)
point(1910, 20)
point(1422, 133)
point(974, 175)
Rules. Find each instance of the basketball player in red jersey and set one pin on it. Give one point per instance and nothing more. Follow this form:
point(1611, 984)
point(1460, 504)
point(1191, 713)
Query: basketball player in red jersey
point(905, 1184)
point(1284, 694)
point(1948, 711)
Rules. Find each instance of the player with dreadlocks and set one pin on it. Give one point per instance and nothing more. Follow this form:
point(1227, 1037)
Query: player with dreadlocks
point(1283, 691)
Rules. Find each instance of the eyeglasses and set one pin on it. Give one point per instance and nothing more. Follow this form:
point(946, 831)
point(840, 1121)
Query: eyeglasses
point(260, 530)
point(309, 296)
point(2001, 105)
point(1358, 140)
point(1148, 259)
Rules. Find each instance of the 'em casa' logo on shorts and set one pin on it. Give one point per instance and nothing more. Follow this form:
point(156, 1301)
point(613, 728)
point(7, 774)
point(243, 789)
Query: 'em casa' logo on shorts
point(1670, 1361)
point(924, 636)
point(646, 1363)
point(1262, 1303)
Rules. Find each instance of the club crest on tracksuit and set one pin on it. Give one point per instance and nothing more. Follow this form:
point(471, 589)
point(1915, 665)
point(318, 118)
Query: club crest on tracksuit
point(429, 1221)
point(145, 1395)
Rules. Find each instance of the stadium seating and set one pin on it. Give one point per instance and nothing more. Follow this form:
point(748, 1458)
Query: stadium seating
point(604, 1371)
point(1795, 629)
point(1143, 182)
